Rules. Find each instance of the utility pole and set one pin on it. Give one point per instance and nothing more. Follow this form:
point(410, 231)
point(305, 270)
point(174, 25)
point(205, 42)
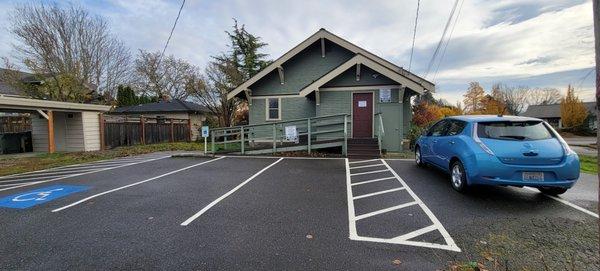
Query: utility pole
point(596, 8)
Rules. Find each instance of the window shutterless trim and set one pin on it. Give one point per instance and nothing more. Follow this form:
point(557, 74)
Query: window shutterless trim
point(268, 109)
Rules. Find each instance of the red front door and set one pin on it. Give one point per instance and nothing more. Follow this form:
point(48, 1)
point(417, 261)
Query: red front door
point(362, 115)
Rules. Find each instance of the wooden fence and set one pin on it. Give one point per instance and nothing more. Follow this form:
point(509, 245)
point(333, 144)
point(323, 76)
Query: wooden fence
point(141, 130)
point(15, 124)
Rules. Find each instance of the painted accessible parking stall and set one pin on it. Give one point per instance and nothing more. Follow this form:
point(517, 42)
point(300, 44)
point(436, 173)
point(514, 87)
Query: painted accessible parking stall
point(39, 196)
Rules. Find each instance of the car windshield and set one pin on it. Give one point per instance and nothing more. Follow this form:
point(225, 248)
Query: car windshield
point(513, 130)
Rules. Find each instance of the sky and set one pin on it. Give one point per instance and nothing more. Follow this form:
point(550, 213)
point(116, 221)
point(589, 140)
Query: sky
point(545, 43)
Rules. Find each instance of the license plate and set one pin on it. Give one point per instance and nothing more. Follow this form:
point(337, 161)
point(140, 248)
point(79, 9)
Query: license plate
point(533, 176)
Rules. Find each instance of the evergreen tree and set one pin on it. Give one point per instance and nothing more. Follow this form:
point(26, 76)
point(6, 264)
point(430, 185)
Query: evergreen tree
point(126, 96)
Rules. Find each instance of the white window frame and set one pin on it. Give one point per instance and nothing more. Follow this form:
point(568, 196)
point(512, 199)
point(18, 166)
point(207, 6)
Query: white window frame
point(267, 109)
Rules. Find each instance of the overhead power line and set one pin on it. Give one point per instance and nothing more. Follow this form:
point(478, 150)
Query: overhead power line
point(448, 40)
point(585, 77)
point(170, 34)
point(437, 48)
point(412, 49)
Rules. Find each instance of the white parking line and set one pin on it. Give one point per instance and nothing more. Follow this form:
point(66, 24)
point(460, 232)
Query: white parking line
point(376, 165)
point(198, 214)
point(374, 180)
point(80, 174)
point(378, 193)
point(401, 239)
point(368, 172)
point(133, 184)
point(363, 161)
point(45, 175)
point(382, 211)
point(12, 184)
point(576, 207)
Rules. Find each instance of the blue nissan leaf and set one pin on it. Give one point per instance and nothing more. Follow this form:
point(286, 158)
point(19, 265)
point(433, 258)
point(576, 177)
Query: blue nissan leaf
point(499, 150)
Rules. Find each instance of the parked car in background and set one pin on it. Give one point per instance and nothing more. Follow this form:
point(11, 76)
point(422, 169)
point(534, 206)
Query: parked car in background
point(499, 150)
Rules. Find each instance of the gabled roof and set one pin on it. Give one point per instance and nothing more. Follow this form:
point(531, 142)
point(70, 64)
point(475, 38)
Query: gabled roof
point(553, 110)
point(322, 33)
point(360, 59)
point(163, 107)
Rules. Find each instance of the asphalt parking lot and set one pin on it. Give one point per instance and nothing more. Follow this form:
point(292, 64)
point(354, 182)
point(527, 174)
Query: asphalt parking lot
point(158, 212)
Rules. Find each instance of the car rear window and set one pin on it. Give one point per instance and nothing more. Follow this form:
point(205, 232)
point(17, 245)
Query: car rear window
point(513, 130)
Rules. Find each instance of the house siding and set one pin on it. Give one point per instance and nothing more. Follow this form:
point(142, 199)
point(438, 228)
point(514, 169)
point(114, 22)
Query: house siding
point(302, 70)
point(39, 133)
point(291, 108)
point(91, 131)
point(368, 77)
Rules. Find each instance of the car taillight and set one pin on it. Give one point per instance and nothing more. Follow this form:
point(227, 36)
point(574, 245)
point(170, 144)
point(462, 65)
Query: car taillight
point(485, 148)
point(479, 142)
point(566, 149)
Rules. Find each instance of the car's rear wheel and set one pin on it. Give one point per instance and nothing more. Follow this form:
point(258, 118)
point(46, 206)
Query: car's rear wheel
point(419, 157)
point(458, 177)
point(553, 191)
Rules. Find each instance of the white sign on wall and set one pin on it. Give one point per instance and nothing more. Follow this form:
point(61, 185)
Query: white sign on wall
point(385, 95)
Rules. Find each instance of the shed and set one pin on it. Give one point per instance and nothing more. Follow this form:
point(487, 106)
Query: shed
point(60, 126)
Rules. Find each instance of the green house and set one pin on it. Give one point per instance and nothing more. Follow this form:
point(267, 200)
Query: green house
point(326, 75)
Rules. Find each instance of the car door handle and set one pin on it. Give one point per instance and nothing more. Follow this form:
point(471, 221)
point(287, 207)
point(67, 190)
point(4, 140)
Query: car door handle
point(435, 141)
point(451, 142)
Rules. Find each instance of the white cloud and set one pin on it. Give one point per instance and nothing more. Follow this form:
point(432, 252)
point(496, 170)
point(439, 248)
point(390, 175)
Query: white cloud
point(509, 40)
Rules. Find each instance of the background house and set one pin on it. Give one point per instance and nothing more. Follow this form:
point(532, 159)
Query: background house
point(174, 109)
point(551, 114)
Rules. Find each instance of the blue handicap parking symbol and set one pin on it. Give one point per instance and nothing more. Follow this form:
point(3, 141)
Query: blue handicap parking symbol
point(39, 196)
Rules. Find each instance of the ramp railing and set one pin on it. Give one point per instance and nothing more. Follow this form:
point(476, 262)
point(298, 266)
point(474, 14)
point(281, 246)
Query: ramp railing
point(306, 134)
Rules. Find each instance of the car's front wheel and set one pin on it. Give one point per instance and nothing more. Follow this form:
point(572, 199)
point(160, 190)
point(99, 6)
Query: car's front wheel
point(419, 157)
point(458, 177)
point(553, 191)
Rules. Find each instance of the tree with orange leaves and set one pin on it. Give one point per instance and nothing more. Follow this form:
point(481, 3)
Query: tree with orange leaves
point(572, 111)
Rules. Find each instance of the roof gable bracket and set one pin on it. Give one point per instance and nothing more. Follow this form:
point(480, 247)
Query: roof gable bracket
point(248, 94)
point(43, 114)
point(318, 97)
point(358, 72)
point(322, 47)
point(401, 94)
point(281, 78)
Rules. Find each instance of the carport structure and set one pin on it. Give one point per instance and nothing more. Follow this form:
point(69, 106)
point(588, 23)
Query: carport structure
point(60, 126)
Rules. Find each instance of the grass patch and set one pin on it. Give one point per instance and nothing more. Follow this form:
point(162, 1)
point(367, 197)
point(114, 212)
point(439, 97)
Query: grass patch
point(13, 165)
point(589, 164)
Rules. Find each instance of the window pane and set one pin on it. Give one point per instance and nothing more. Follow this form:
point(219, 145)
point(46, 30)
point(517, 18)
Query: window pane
point(517, 130)
point(456, 127)
point(273, 113)
point(273, 103)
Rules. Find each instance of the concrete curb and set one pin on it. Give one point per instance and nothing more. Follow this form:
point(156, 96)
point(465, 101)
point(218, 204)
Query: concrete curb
point(195, 155)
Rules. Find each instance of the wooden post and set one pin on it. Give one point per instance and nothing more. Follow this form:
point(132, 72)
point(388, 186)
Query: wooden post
point(143, 124)
point(212, 142)
point(172, 133)
point(189, 123)
point(274, 138)
point(309, 135)
point(51, 143)
point(345, 147)
point(242, 138)
point(101, 119)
